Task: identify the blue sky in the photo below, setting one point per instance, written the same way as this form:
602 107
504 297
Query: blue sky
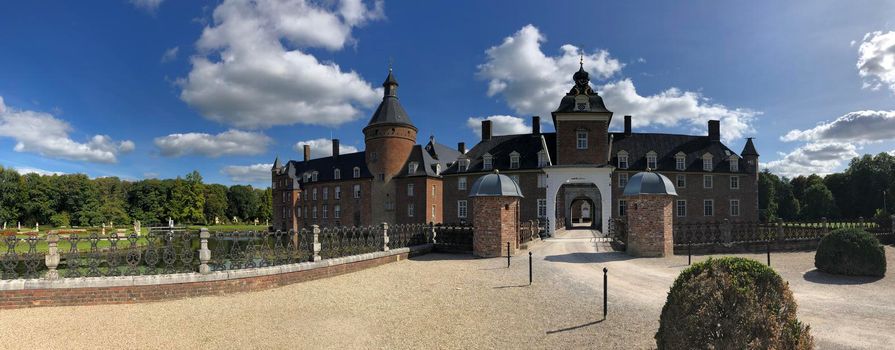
153 88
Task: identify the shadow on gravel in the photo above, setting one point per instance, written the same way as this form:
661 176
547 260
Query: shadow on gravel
821 277
443 256
575 327
516 286
583 258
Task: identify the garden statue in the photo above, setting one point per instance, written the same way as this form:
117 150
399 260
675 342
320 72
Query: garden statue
217 221
170 222
104 228
19 226
4 226
37 227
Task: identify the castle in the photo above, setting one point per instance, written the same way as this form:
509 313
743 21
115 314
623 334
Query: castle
575 175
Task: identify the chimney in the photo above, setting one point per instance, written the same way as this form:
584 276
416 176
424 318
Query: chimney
486 130
536 125
307 149
627 125
461 147
335 148
714 130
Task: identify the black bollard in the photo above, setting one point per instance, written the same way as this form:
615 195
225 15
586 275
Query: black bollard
529 269
689 251
768 249
508 254
604 292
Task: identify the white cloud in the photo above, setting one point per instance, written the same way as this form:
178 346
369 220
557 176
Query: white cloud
41 133
256 173
674 107
876 60
42 172
147 5
856 127
500 125
322 148
252 72
228 143
532 82
813 158
170 54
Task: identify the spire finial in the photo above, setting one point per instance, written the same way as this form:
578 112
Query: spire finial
391 61
581 60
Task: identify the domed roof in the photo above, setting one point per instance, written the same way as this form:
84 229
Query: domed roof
581 74
495 185
648 182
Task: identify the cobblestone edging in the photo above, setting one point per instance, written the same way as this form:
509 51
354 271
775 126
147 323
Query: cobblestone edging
133 289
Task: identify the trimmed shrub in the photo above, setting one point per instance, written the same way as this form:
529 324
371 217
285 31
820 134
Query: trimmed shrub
852 252
731 303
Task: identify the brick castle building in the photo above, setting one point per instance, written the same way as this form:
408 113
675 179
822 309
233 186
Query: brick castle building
575 175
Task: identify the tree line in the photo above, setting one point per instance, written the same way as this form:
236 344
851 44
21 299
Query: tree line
864 189
76 200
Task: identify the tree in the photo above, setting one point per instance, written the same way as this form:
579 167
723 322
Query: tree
819 202
10 196
215 202
243 203
789 208
146 201
767 196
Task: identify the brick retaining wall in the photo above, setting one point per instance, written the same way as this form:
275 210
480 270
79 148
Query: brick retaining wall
136 289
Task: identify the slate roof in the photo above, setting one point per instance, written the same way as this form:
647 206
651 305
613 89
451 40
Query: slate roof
326 166
427 157
495 185
567 105
390 109
648 182
666 146
749 149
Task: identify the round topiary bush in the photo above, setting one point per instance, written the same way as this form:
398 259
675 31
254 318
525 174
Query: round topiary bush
731 303
852 252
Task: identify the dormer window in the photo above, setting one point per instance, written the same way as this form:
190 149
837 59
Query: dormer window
622 160
514 160
651 160
734 163
356 172
437 168
314 176
707 162
487 161
543 159
337 174
411 168
582 139
680 161
463 165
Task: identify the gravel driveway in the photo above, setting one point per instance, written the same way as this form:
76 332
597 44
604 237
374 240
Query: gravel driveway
444 301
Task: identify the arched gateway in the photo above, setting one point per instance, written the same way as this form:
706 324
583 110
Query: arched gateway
582 153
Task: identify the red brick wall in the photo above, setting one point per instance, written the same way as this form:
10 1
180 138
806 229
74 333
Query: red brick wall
567 151
348 203
496 224
137 294
650 226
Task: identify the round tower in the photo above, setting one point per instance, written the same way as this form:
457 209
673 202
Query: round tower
389 138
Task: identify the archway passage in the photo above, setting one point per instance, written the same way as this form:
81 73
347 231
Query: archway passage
581 214
580 204
567 183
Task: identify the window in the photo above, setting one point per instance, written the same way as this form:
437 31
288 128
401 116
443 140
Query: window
681 180
411 168
298 212
356 191
409 190
622 160
433 192
356 172
374 156
325 211
314 212
284 197
707 181
622 207
314 176
461 183
463 164
681 208
461 209
337 192
438 168
707 162
306 211
734 182
543 159
337 211
314 194
680 161
542 180
542 208
515 178
410 210
514 160
708 207
381 177
622 180
651 160
433 212
734 207
337 174
284 212
734 164
389 205
486 162
582 139
325 193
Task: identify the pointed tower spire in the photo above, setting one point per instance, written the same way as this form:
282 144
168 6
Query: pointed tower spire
749 149
390 110
276 163
390 84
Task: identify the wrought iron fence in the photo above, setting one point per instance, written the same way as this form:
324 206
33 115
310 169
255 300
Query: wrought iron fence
157 252
405 235
726 232
618 229
343 241
250 249
20 258
453 237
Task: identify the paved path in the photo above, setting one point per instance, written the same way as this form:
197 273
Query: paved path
451 301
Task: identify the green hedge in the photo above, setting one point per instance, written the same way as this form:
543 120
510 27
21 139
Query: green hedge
851 252
731 303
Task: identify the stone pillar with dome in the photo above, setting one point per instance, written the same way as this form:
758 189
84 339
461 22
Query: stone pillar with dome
650 213
495 202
